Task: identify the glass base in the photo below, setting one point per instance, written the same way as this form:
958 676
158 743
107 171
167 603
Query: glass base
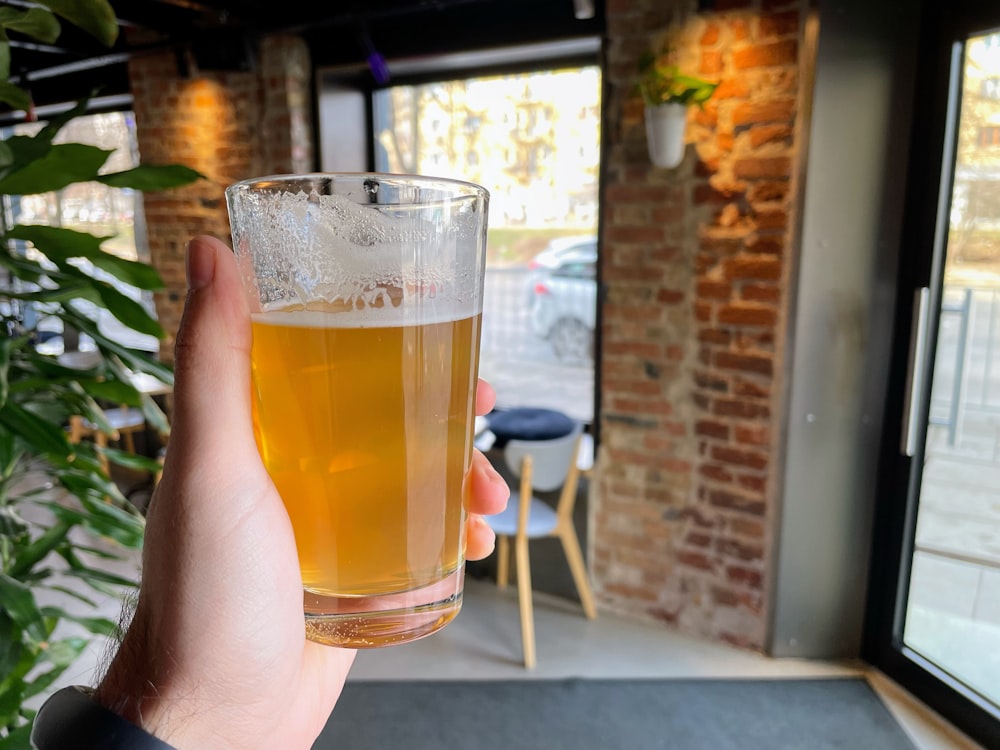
375 621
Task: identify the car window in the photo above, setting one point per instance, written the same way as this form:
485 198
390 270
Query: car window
577 270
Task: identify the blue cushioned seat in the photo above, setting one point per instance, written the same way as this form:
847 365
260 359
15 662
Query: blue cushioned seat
528 424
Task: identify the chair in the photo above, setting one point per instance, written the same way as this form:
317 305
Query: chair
544 465
125 420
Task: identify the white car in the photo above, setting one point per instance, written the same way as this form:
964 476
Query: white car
558 252
564 309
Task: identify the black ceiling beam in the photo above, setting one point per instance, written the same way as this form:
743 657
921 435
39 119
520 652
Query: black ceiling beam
397 29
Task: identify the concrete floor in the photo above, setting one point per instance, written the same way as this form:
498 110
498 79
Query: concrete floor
483 643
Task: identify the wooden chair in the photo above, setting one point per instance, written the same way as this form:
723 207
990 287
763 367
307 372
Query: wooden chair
545 465
125 420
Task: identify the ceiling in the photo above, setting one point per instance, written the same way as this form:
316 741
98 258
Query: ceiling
221 35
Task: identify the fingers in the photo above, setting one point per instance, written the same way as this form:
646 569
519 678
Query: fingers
489 490
485 398
212 358
479 539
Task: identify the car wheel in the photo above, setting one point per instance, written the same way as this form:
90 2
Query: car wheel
571 339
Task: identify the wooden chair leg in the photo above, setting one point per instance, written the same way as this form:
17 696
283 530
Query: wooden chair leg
128 441
503 561
524 600
571 546
101 440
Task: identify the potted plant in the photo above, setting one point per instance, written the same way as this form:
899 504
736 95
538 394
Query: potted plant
60 512
667 94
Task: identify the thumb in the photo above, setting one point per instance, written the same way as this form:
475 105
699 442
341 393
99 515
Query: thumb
211 414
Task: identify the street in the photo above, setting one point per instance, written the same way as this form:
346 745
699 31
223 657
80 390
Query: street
522 367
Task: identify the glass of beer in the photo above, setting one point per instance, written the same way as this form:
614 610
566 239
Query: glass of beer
366 298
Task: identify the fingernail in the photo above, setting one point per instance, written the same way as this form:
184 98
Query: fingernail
200 265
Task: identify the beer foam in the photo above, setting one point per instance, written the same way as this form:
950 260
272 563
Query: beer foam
409 263
368 318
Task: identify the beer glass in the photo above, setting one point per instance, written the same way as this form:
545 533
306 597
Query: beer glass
366 298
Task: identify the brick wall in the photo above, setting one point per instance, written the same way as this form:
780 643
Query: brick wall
696 262
227 125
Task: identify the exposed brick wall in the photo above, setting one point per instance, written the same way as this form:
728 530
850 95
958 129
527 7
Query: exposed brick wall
695 262
227 125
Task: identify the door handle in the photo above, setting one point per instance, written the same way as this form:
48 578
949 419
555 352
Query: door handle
915 371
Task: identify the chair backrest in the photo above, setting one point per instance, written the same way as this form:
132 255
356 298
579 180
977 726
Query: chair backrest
551 459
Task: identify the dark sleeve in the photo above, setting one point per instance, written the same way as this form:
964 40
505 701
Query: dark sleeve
72 720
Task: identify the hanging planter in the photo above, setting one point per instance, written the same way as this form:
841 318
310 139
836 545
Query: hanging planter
667 94
665 125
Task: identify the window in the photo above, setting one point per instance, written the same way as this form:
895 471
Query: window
533 140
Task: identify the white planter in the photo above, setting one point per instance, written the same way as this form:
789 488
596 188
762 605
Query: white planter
665 134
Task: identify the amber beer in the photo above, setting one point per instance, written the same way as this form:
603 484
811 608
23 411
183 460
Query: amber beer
364 429
365 297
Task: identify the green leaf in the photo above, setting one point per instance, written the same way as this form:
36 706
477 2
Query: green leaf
97 552
131 460
6 155
87 479
61 655
149 177
12 526
26 270
60 244
154 415
92 576
65 651
126 309
40 434
63 165
132 359
129 312
64 293
6 345
96 625
43 681
111 390
128 537
37 23
27 557
19 602
11 647
18 738
75 594
96 17
14 96
4 55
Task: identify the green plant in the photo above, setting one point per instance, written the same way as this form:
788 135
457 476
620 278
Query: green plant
54 531
661 82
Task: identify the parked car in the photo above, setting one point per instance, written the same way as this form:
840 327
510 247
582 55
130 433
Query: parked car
558 252
564 309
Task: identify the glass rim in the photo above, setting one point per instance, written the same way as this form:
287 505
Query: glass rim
463 189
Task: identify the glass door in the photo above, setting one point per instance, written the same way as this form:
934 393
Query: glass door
935 610
953 599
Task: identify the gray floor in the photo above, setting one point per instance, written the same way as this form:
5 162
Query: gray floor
484 643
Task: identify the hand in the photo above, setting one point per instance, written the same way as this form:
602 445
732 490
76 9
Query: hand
216 654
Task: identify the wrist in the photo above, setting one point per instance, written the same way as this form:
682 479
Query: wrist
70 719
138 689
